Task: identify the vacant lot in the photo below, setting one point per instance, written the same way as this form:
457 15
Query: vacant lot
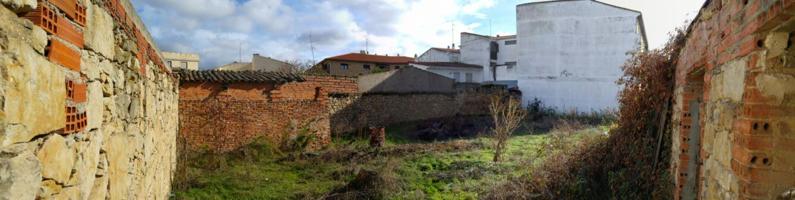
406 168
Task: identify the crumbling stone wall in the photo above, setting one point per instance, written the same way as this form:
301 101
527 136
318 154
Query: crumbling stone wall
735 102
87 109
353 112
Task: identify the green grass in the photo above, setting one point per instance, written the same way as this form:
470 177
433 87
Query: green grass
450 173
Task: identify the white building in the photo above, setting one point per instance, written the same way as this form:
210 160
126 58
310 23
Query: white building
440 55
460 72
176 60
566 53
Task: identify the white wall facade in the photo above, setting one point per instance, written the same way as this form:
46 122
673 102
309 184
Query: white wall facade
570 53
449 72
435 55
475 50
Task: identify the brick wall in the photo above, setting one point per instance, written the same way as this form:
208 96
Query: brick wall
224 117
737 66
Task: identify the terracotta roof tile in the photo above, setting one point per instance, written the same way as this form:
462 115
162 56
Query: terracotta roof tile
358 57
237 76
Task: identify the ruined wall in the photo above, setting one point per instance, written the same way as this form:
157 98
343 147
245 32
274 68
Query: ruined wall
87 110
352 112
225 117
735 103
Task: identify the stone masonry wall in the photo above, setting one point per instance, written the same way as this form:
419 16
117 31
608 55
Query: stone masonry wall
737 69
87 109
353 112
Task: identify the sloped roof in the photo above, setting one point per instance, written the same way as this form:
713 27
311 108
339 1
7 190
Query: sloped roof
358 57
448 64
237 76
447 50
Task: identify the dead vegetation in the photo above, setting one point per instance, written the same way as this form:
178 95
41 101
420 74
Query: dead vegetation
507 113
632 162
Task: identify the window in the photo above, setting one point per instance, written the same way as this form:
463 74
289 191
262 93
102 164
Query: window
469 77
184 65
510 42
457 76
366 67
169 64
325 67
397 67
344 66
383 66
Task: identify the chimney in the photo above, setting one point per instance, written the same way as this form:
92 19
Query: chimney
362 52
448 47
453 45
398 54
256 54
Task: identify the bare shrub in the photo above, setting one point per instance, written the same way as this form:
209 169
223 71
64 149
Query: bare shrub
621 166
507 114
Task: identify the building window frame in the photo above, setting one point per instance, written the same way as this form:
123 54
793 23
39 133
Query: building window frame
344 66
510 42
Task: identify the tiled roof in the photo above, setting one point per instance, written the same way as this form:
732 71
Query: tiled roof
358 57
237 76
448 64
447 50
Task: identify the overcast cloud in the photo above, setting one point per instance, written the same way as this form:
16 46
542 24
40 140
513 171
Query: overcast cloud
219 30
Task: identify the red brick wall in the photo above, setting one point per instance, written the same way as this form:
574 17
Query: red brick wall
736 60
224 117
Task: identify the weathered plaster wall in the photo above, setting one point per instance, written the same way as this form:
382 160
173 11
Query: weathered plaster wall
737 68
353 112
87 110
570 53
475 50
405 80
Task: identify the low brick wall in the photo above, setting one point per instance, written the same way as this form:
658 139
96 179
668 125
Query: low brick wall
225 125
226 116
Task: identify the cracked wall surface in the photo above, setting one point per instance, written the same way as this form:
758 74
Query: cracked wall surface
87 110
737 64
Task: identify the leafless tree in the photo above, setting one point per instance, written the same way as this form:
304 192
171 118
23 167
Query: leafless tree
507 114
297 66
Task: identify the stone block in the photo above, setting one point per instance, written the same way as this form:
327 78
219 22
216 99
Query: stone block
19 6
56 159
20 174
38 90
99 32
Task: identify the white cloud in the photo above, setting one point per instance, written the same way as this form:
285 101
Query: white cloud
217 29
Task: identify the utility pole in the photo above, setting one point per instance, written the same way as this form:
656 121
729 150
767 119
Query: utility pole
366 43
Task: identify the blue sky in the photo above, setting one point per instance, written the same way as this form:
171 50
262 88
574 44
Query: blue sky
219 30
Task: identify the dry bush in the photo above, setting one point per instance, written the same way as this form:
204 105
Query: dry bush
507 114
623 165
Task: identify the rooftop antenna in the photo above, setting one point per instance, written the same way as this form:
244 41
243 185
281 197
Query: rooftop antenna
452 34
490 27
240 51
366 43
312 47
